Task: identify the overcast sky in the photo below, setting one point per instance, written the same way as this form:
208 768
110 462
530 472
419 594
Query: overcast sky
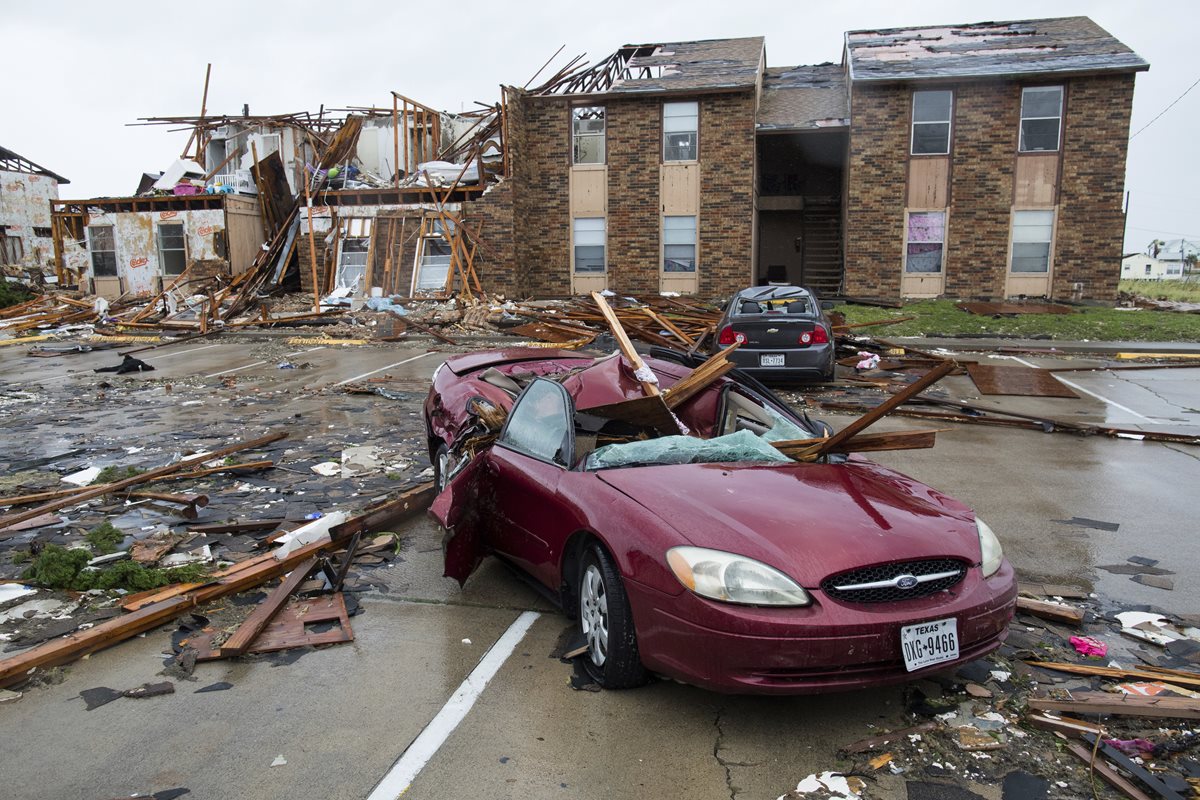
78 72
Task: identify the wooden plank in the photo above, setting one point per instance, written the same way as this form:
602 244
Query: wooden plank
145 477
1017 381
1112 672
254 624
700 378
623 343
1127 705
1067 726
808 449
887 406
1110 775
1058 612
287 630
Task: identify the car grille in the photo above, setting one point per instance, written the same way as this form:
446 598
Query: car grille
949 571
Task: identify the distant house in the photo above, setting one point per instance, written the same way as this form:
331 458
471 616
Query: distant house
26 189
1141 267
1177 253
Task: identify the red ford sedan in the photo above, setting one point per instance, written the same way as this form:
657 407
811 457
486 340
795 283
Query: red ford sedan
686 545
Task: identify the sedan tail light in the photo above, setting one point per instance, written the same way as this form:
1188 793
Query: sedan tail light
728 336
817 335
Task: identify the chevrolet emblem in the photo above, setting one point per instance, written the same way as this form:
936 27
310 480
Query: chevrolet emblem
772 330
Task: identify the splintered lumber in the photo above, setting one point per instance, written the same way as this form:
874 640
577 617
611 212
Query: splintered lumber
870 743
1071 728
177 600
1134 768
435 334
887 406
626 346
700 378
811 449
1105 771
146 477
1192 679
249 630
1127 705
1058 612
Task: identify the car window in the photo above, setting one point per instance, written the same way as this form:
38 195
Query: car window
540 423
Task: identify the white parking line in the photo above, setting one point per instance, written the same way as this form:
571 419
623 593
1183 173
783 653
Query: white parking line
1099 397
417 754
257 363
381 369
185 352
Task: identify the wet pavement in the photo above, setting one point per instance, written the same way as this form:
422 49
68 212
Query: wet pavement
341 716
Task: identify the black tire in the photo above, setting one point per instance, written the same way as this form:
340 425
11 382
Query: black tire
441 460
606 623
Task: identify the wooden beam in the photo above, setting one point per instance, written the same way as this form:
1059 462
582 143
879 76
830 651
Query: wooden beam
700 378
249 630
810 449
1112 672
1058 612
887 406
626 346
146 477
1102 768
1128 705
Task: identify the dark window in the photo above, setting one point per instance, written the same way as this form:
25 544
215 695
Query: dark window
540 423
931 122
172 252
104 251
44 233
1041 118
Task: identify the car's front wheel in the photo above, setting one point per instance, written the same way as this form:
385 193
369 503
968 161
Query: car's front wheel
606 623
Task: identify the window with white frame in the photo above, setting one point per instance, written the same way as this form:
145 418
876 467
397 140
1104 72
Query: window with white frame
926 242
680 131
589 236
679 244
1032 234
1041 118
103 250
931 122
172 248
587 135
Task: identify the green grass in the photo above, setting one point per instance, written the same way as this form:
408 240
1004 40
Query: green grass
942 318
1180 291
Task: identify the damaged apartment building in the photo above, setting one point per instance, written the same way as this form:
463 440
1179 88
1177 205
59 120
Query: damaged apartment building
972 161
26 238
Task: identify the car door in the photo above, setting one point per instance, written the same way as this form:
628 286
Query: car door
523 470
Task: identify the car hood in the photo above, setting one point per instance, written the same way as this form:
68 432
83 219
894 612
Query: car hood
808 520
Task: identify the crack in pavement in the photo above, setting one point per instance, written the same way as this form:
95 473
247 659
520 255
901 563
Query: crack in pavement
727 765
1132 382
1181 452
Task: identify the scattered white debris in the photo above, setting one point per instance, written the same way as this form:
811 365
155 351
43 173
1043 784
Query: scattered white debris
466 641
1000 676
832 785
279 761
7 696
1134 619
83 477
200 555
328 468
12 591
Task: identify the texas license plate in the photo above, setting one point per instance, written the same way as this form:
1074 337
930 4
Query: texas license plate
771 360
929 643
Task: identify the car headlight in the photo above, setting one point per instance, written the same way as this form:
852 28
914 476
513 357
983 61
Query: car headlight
734 579
989 547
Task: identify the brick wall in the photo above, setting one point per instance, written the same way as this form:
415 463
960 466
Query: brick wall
727 143
1090 222
984 150
876 191
634 131
495 257
539 158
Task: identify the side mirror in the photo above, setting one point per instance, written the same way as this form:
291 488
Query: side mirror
827 305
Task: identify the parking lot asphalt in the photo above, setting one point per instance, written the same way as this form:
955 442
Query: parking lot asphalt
342 717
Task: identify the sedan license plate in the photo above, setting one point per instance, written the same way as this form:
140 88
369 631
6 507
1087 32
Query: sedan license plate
770 360
929 643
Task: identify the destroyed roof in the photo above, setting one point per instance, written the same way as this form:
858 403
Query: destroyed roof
15 163
799 98
986 49
686 66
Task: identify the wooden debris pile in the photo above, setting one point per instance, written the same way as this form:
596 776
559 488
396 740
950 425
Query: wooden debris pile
661 321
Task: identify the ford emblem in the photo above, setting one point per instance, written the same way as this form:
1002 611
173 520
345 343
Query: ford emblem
906 582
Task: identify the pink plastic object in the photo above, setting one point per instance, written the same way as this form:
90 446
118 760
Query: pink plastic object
186 188
1088 646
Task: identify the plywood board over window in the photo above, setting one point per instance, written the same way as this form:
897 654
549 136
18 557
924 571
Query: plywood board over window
1036 180
928 179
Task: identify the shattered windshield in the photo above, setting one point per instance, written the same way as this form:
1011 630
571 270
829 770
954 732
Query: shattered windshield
742 446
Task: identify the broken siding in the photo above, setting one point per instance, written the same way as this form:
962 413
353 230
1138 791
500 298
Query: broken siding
136 242
25 207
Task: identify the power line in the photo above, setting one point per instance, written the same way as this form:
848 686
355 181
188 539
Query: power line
1165 110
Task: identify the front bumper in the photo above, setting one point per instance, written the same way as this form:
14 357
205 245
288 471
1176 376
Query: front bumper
828 646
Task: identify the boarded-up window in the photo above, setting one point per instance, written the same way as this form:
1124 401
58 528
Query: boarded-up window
103 249
1032 232
680 126
931 122
679 244
589 244
926 241
1041 118
587 135
11 248
172 248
